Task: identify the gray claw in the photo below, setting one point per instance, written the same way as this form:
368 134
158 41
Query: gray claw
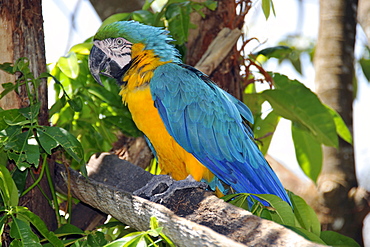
162 187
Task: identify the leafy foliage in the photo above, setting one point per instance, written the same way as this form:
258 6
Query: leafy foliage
26 142
300 218
23 139
313 123
143 238
93 113
267 5
365 63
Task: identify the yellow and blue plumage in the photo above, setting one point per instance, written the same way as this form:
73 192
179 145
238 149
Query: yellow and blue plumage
193 126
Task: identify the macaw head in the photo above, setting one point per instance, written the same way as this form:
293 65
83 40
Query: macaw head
111 54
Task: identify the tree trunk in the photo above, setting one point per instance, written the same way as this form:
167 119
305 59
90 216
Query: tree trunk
227 74
334 77
22 35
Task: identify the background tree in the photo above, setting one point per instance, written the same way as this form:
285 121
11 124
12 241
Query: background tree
21 29
334 66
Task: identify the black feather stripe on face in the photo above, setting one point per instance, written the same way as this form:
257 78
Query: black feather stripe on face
118 50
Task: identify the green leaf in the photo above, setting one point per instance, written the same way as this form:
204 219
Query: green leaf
23 65
68 229
32 154
12 117
125 124
67 141
46 141
16 243
211 4
31 112
7 67
9 191
143 16
306 234
58 105
23 151
3 221
307 150
305 215
338 240
114 18
147 4
153 222
82 48
69 65
20 160
293 101
112 98
123 241
283 210
341 127
22 231
266 8
239 200
96 239
365 66
76 104
8 87
19 178
267 5
264 129
35 220
296 62
254 101
178 16
279 52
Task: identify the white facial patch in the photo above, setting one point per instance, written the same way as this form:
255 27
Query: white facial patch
118 50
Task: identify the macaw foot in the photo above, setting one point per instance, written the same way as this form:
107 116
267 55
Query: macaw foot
161 187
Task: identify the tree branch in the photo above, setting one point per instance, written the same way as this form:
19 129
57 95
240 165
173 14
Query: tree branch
191 217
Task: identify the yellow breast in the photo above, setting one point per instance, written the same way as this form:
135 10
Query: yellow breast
172 158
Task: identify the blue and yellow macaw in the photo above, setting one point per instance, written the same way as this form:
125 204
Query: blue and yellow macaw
193 126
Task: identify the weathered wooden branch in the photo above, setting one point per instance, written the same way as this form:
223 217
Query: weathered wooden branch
190 217
218 50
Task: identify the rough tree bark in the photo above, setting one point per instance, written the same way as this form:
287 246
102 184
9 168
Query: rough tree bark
341 210
227 74
22 35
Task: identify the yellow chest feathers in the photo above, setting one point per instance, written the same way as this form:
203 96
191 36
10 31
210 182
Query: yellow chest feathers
144 62
172 158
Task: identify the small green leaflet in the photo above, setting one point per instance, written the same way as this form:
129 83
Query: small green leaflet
266 6
9 191
308 151
294 101
56 135
341 127
69 65
20 230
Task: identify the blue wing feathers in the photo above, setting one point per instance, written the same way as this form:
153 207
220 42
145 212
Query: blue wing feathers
208 122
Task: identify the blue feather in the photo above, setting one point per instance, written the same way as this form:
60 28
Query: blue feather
208 122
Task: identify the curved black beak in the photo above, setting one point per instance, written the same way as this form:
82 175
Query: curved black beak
98 62
101 64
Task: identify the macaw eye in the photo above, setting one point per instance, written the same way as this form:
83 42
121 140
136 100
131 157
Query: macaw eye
119 41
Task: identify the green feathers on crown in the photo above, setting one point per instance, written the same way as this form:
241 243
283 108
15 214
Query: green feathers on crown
154 38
